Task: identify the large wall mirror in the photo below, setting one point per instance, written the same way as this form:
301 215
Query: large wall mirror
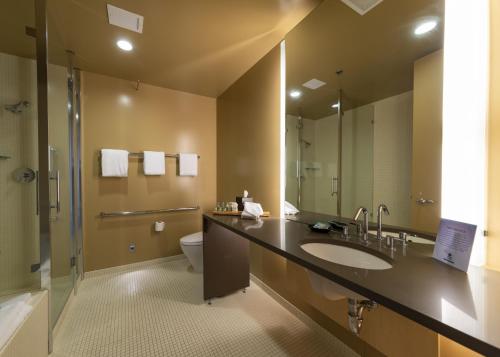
364 110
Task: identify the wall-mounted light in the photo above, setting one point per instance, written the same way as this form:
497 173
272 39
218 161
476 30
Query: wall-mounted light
295 94
466 80
335 106
425 27
125 45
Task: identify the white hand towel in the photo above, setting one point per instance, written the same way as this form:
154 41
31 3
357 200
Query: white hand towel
114 163
188 164
252 210
154 163
290 209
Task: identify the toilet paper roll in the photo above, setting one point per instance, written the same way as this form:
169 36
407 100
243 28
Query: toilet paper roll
159 226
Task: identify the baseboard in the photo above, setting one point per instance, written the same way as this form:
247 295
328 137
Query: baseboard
292 308
121 268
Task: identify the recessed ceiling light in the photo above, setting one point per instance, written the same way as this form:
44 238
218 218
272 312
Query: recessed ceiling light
425 27
295 93
125 45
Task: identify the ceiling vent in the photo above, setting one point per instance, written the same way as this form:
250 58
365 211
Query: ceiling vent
125 19
362 6
314 84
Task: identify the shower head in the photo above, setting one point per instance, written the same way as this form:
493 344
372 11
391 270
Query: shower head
18 107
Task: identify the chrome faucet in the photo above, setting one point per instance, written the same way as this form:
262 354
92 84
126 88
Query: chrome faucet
362 229
381 208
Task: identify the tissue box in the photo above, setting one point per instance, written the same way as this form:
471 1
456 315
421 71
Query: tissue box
241 202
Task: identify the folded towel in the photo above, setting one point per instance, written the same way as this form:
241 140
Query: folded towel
114 163
154 163
188 164
252 210
290 209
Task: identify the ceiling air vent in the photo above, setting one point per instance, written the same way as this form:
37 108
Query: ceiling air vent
314 84
125 19
362 6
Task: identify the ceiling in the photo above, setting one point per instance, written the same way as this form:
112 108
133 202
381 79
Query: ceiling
376 53
197 46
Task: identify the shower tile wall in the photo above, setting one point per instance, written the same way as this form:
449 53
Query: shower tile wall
393 157
19 245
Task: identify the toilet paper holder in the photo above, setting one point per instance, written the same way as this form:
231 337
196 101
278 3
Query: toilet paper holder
159 226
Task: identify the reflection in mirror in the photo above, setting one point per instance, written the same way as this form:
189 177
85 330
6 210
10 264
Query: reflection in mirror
364 103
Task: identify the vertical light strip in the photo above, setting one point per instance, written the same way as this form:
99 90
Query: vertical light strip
465 103
282 126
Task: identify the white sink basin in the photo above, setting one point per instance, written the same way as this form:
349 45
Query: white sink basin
346 256
340 255
412 239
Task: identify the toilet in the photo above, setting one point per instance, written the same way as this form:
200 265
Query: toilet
192 247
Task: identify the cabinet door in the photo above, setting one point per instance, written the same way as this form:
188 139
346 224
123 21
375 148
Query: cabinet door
226 265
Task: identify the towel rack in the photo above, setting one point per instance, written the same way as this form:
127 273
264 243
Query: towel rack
140 213
141 155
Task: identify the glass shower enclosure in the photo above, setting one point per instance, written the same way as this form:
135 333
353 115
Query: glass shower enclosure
40 210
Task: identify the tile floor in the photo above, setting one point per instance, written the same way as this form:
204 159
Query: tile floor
158 311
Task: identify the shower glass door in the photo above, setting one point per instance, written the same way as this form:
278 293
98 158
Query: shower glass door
61 167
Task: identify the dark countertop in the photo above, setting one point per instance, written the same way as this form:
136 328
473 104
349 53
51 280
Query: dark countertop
460 306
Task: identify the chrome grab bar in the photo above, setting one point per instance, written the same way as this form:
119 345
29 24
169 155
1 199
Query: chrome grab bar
139 213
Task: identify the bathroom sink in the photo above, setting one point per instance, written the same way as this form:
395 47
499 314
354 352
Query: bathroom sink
411 238
347 256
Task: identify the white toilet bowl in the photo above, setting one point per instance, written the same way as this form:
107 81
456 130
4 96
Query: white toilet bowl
192 247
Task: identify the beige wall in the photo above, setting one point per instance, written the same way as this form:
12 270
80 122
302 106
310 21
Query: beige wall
248 155
115 115
493 248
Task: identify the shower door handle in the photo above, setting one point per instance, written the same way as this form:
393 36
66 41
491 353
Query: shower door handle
57 178
335 182
37 193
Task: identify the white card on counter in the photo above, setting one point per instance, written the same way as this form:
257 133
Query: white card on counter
454 243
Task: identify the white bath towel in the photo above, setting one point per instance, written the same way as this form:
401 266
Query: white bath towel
154 163
252 210
290 209
114 163
188 164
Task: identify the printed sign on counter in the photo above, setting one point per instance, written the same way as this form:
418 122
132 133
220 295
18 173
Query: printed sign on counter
454 243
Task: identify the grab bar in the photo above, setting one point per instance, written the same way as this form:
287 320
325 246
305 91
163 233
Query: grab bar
139 213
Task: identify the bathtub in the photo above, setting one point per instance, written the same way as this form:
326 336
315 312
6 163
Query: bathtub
13 312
